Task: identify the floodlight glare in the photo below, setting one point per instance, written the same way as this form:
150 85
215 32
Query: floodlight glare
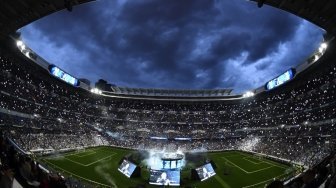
96 91
19 43
324 46
321 50
248 94
27 54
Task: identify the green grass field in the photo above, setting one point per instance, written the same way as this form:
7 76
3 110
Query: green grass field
234 169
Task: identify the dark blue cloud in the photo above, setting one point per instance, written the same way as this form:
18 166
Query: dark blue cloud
197 44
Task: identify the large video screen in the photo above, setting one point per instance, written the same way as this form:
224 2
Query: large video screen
127 168
205 172
285 77
164 177
55 71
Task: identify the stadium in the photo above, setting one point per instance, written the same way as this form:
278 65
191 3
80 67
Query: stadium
57 130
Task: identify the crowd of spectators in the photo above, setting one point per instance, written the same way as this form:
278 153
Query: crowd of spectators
322 175
39 112
19 170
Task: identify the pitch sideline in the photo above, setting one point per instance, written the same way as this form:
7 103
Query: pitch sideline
248 172
264 181
76 174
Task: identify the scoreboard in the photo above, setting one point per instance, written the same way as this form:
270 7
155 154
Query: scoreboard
283 78
60 74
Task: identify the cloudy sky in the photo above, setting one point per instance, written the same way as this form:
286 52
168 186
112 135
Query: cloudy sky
189 44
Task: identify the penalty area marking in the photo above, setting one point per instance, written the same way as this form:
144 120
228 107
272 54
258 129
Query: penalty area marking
235 165
233 155
105 185
92 152
248 172
266 160
78 152
275 165
74 161
101 159
262 169
247 158
89 163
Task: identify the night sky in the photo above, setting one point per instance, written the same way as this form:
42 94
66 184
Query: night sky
181 44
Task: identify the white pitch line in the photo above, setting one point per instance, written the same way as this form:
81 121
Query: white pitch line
70 154
233 155
235 165
77 175
261 169
74 161
77 152
86 154
89 163
265 161
246 158
264 181
248 172
100 160
274 164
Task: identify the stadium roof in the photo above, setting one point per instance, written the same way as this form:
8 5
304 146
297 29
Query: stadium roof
321 13
172 92
15 14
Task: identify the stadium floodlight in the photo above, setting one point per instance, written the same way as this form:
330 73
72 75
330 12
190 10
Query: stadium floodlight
96 91
248 94
19 43
27 54
323 47
320 50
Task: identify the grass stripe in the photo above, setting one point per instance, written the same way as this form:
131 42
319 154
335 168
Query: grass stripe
264 182
100 159
221 181
235 165
80 177
89 163
101 164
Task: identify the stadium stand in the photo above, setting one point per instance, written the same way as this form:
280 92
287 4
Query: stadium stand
40 114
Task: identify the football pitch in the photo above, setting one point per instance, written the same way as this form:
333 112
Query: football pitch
235 169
